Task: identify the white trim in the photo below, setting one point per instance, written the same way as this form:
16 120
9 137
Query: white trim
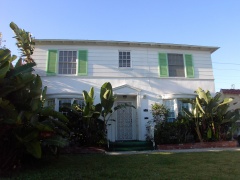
71 68
64 95
210 49
126 86
177 96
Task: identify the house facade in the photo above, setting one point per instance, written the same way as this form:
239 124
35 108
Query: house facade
140 73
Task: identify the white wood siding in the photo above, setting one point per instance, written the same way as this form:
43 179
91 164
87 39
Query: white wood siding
103 61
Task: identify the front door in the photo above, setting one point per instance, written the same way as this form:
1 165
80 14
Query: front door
124 122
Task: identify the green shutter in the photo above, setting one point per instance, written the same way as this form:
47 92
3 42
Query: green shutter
52 63
189 65
163 65
82 62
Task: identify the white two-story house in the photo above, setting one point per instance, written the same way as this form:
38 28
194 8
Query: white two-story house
140 73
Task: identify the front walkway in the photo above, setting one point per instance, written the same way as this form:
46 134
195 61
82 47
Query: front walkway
175 151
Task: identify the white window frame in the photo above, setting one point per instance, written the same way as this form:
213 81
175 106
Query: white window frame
67 63
57 97
170 105
124 59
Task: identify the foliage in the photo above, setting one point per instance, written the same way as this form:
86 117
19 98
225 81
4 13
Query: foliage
86 131
159 113
179 131
88 125
25 42
211 115
24 122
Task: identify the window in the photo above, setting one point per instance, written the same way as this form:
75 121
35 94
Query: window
51 103
67 62
79 102
170 106
124 59
63 103
175 65
185 105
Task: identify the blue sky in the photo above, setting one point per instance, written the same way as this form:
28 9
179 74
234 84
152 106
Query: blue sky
204 22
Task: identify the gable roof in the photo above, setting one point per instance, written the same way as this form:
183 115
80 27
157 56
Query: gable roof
126 86
124 43
230 91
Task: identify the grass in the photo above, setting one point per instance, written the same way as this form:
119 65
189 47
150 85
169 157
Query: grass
204 165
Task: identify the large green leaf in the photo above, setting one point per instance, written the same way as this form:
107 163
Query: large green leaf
26 68
48 111
4 68
199 105
5 55
91 93
59 124
34 148
36 87
203 95
57 141
8 111
39 125
124 105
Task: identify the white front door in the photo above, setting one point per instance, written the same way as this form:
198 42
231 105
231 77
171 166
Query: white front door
124 122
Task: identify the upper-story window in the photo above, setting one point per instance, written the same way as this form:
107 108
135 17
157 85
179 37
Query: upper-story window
175 65
124 59
67 62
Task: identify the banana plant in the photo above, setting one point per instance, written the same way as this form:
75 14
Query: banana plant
210 107
22 115
209 113
195 115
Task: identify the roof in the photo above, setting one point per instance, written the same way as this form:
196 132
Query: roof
230 91
124 43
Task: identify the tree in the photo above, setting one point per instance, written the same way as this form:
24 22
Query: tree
24 121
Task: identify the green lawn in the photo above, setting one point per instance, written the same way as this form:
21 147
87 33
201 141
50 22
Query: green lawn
204 165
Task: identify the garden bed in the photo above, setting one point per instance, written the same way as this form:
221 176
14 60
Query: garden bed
83 150
217 144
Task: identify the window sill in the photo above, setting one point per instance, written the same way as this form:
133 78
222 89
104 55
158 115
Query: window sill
125 68
66 74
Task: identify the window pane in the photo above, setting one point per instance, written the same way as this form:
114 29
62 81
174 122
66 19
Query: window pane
73 71
74 53
124 59
69 53
60 59
51 102
176 65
